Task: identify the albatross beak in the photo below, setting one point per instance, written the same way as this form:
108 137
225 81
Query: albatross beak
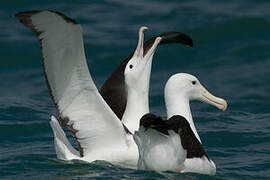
151 51
213 100
139 50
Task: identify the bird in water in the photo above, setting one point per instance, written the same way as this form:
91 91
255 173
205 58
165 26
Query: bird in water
174 144
97 129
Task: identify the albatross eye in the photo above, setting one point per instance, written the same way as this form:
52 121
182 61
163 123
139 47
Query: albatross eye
193 82
131 66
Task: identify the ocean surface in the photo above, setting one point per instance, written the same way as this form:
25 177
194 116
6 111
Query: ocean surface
231 58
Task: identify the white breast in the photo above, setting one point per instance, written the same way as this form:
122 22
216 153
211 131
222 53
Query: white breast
156 150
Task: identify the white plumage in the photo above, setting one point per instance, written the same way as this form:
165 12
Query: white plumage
156 150
98 131
180 150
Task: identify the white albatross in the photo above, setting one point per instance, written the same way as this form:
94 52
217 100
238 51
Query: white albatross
98 131
174 144
114 89
79 105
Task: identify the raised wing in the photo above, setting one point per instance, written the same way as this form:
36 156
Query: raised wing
115 84
78 102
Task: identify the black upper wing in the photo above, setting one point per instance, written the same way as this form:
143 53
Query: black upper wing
113 90
179 125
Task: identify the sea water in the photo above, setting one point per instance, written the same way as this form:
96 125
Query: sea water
231 58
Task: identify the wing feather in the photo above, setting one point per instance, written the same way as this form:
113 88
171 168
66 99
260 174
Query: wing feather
115 84
78 102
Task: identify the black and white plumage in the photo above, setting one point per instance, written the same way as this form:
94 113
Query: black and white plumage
114 91
179 125
155 134
176 128
160 147
97 129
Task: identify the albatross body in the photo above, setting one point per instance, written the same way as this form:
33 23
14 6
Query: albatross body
98 131
179 90
114 90
159 146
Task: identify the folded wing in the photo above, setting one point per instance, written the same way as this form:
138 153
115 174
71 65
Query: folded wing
159 146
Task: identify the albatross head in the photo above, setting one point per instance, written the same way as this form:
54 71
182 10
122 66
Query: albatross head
189 86
138 69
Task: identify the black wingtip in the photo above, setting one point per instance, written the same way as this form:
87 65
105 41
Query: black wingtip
185 39
25 18
27 14
176 37
22 16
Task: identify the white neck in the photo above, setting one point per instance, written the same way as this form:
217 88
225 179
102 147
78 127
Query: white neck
138 99
177 104
137 106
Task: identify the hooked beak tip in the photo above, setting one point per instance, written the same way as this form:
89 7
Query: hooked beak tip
225 105
139 50
158 39
143 28
215 101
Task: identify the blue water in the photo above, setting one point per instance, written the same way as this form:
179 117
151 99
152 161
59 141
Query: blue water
231 57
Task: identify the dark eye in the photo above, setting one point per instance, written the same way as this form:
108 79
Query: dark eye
131 66
193 82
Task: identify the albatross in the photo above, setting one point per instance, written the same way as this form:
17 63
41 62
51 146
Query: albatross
114 91
99 132
174 144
